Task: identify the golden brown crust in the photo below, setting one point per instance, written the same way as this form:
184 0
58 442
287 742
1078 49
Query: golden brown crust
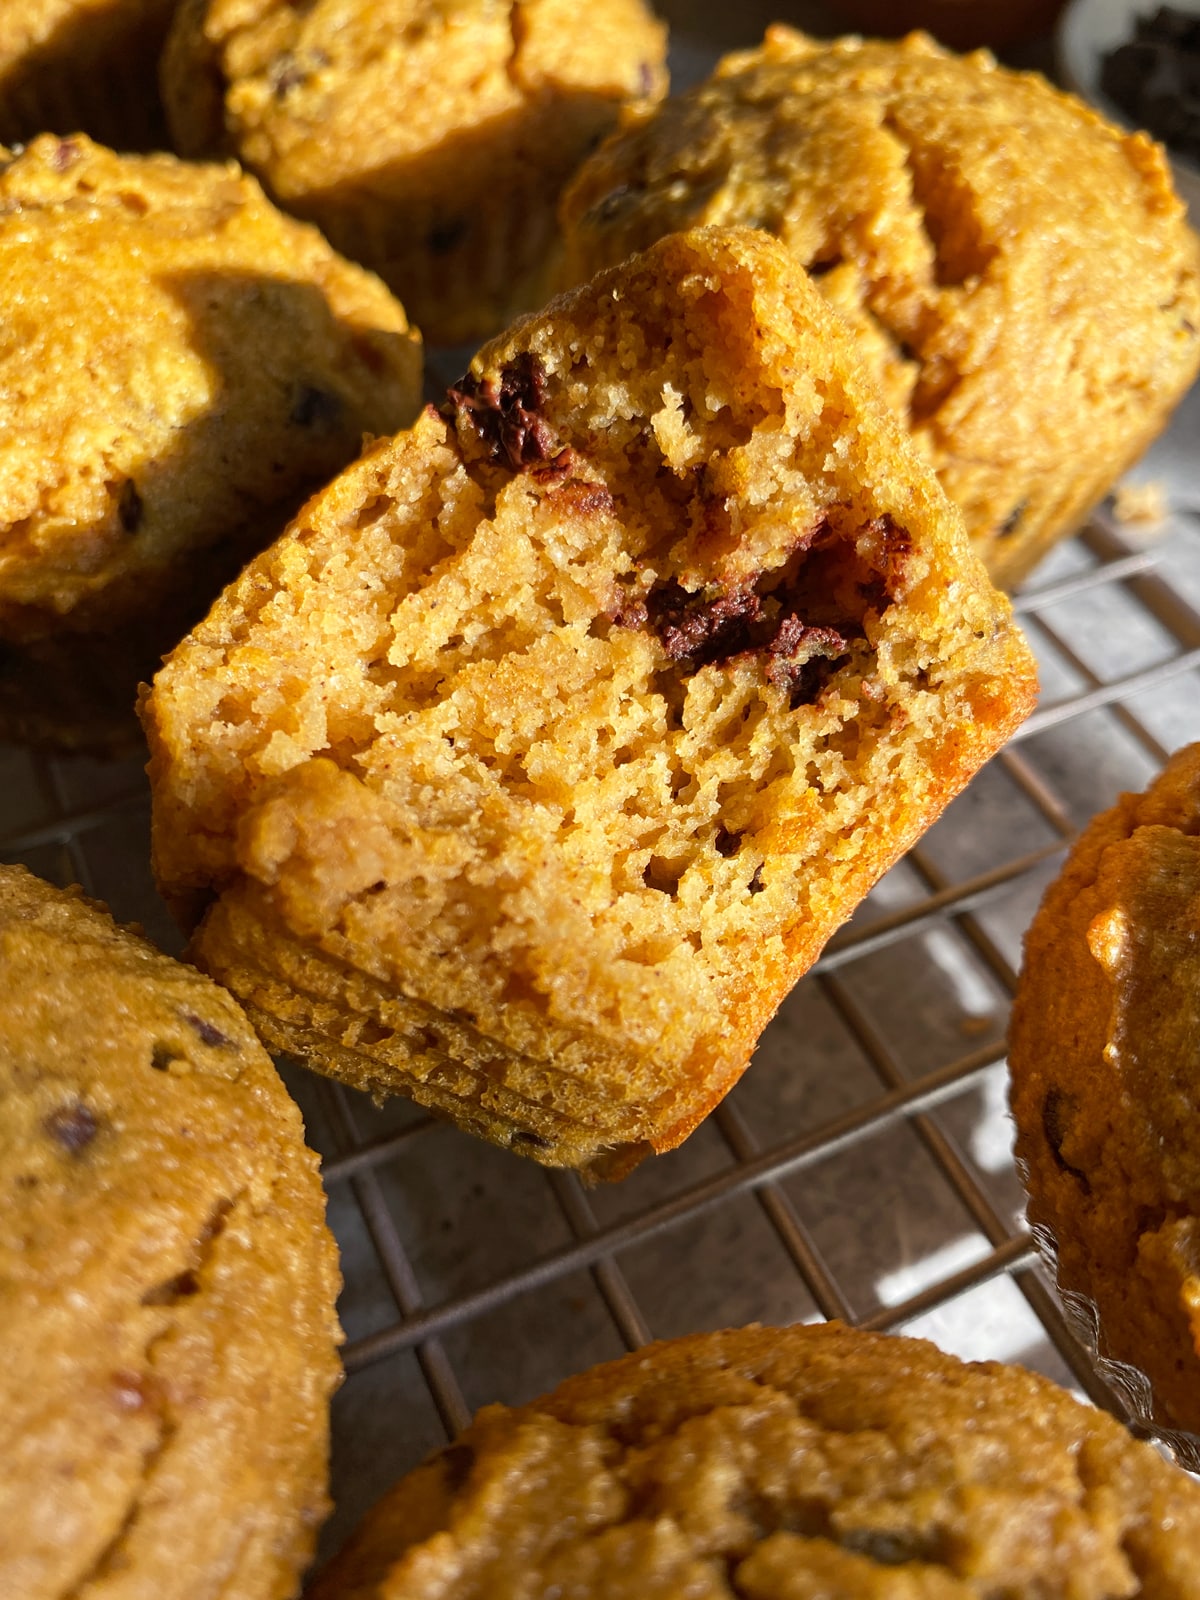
1018 272
543 754
166 1277
428 139
1103 1046
185 364
804 1463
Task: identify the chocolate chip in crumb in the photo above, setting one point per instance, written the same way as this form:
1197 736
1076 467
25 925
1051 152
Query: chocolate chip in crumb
457 1461
727 844
181 1287
206 1032
73 1127
129 506
756 884
446 236
315 408
1012 521
1057 1111
162 1055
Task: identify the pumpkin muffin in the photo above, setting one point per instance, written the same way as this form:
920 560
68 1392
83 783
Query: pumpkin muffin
83 66
1104 1043
1017 271
531 767
167 1281
180 364
429 139
803 1463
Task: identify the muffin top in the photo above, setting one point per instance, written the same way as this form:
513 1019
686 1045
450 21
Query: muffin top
785 1464
167 1280
179 365
976 226
312 96
1103 1046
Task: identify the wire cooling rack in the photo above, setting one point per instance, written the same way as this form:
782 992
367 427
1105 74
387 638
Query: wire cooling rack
862 1168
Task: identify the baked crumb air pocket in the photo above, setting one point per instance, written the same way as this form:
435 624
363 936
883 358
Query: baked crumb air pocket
532 766
801 1463
1018 272
1103 1046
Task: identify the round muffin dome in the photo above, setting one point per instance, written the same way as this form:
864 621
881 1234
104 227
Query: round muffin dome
1102 1052
428 139
167 1280
1018 272
780 1463
180 364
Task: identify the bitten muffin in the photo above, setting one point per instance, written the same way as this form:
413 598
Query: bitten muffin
1017 271
543 753
167 1282
180 365
1104 1044
83 66
429 139
803 1463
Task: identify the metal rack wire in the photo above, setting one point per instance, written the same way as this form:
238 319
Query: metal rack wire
861 1169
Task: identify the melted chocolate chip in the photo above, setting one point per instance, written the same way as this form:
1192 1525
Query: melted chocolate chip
205 1031
700 630
73 1127
507 415
129 506
315 408
1057 1108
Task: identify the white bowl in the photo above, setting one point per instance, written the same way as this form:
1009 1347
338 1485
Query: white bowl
1087 31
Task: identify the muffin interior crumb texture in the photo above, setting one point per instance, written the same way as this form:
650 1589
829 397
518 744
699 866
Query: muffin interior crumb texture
785 1464
582 715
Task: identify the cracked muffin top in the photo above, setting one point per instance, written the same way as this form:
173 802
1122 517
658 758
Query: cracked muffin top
179 365
429 139
1104 1041
1017 271
803 1463
167 1282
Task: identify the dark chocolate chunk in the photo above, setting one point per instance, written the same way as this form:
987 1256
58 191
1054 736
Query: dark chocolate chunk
73 1127
507 415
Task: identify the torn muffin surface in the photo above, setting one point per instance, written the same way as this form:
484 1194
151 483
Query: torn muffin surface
532 766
